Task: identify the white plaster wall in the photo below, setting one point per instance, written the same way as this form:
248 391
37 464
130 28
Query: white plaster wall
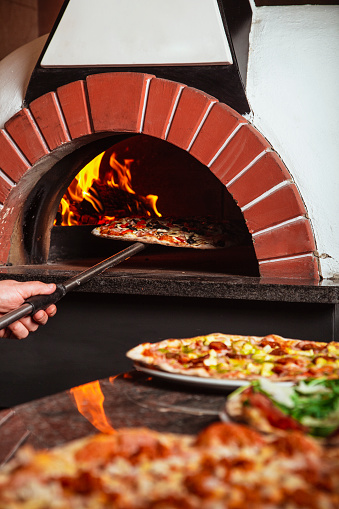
15 72
292 88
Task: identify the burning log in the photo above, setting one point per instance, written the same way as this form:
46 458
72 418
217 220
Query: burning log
101 191
119 203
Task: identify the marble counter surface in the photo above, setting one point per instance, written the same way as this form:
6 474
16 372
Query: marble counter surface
131 399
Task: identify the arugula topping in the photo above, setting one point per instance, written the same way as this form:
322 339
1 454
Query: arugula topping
314 403
318 403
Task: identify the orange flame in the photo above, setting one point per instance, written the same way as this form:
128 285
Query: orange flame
89 400
81 189
123 174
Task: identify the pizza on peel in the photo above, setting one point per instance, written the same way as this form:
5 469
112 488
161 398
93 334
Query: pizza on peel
198 233
237 357
226 466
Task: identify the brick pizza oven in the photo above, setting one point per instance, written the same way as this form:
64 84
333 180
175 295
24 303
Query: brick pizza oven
59 122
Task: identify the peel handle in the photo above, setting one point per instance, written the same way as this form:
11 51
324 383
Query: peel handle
32 305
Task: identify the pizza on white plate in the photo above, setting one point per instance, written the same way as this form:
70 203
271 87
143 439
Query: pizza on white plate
238 357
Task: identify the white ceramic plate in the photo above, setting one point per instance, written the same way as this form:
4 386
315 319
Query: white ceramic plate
214 383
195 380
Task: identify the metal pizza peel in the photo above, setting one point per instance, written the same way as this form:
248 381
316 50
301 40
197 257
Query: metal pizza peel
34 304
37 302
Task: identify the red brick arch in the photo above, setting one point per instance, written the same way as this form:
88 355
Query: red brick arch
210 131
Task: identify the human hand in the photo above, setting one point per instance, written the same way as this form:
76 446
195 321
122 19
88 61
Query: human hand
12 295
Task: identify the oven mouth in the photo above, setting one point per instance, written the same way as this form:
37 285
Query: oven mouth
74 245
194 189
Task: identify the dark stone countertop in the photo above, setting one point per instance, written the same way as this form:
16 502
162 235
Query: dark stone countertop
132 399
175 283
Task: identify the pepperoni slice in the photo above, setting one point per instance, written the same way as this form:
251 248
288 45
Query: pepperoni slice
273 344
218 345
278 351
323 370
229 434
306 345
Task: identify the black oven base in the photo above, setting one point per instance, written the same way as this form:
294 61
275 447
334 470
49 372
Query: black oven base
88 338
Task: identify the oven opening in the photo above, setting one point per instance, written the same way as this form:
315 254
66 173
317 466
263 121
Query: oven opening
124 176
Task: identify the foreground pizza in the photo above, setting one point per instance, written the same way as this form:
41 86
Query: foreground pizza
194 233
237 357
227 466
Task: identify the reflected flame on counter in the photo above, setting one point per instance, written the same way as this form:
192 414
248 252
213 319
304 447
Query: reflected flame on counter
89 400
83 194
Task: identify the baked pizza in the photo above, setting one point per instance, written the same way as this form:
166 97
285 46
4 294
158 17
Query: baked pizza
198 233
310 406
225 356
226 466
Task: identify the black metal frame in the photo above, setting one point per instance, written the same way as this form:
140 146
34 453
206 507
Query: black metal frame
221 81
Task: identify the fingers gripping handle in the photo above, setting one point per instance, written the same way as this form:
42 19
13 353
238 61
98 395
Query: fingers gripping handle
43 301
32 305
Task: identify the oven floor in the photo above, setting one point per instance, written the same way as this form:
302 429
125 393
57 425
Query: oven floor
88 338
